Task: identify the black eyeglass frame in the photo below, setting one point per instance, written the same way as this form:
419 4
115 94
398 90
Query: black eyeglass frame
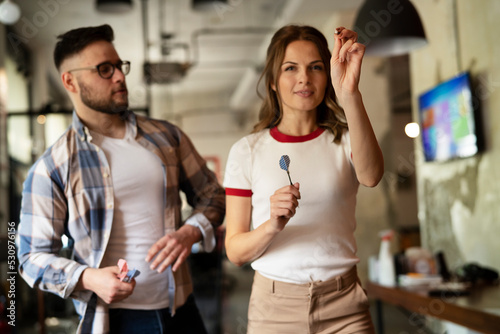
98 67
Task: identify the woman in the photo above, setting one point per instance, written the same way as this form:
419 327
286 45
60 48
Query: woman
304 255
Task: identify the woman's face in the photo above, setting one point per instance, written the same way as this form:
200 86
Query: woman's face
302 78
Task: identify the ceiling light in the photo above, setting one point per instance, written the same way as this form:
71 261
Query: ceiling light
9 12
412 130
114 6
389 27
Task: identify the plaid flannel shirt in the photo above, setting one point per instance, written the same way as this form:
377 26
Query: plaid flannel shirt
69 191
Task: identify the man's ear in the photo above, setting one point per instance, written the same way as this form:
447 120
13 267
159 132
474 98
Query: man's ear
69 82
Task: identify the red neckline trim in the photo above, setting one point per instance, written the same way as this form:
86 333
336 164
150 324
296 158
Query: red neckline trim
294 139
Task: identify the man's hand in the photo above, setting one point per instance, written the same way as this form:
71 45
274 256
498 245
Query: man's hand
105 283
173 248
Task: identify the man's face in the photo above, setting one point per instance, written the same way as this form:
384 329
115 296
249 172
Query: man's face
108 96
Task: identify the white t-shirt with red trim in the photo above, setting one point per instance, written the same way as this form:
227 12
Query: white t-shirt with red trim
318 242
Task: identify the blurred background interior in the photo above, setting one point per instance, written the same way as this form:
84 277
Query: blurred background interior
197 63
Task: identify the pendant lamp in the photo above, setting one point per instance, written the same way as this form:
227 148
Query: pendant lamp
114 6
389 27
207 5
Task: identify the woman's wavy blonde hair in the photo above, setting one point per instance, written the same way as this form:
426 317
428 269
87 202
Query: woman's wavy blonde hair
329 114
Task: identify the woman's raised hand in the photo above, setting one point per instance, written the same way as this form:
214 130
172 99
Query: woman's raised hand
347 55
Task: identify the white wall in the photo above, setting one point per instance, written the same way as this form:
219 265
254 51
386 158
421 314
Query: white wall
458 201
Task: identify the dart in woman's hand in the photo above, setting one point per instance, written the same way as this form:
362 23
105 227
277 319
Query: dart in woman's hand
284 164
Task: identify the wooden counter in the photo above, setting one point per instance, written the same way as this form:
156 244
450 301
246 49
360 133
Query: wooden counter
479 310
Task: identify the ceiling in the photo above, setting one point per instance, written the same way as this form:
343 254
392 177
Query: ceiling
218 49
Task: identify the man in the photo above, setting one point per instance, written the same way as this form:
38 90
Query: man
111 185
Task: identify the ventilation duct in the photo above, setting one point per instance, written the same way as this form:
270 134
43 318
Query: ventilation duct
245 93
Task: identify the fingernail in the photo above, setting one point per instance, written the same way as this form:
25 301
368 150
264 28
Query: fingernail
336 32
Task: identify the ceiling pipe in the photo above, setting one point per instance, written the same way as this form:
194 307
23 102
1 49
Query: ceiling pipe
145 49
222 31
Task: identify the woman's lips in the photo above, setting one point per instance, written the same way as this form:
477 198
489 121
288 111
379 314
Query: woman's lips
304 93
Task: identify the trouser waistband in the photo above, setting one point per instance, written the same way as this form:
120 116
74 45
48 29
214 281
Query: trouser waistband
336 283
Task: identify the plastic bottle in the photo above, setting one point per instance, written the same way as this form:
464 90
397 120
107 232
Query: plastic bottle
386 268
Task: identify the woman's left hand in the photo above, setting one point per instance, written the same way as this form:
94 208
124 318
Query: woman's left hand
347 56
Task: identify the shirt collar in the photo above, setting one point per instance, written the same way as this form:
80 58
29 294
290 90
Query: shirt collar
84 133
283 138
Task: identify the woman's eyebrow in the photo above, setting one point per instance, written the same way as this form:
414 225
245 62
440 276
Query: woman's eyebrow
294 63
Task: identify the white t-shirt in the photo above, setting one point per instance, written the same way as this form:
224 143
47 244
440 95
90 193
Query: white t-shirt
318 242
139 190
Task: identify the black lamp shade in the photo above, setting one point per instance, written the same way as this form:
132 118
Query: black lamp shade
207 5
389 27
114 6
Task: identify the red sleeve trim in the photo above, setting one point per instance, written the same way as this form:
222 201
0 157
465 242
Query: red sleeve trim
239 192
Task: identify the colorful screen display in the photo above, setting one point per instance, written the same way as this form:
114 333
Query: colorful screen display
447 120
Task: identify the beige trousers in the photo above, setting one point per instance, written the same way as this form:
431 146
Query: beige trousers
339 305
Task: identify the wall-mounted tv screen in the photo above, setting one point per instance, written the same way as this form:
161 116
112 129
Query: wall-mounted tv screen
447 120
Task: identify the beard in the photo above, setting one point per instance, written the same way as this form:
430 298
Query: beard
106 106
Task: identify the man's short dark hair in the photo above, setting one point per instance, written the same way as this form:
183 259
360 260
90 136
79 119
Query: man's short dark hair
76 40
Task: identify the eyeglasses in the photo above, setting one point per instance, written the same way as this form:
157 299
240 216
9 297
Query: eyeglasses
106 70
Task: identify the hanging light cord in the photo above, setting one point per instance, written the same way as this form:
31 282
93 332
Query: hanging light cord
457 36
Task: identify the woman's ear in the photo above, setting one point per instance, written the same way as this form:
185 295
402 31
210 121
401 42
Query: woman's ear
273 85
69 82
